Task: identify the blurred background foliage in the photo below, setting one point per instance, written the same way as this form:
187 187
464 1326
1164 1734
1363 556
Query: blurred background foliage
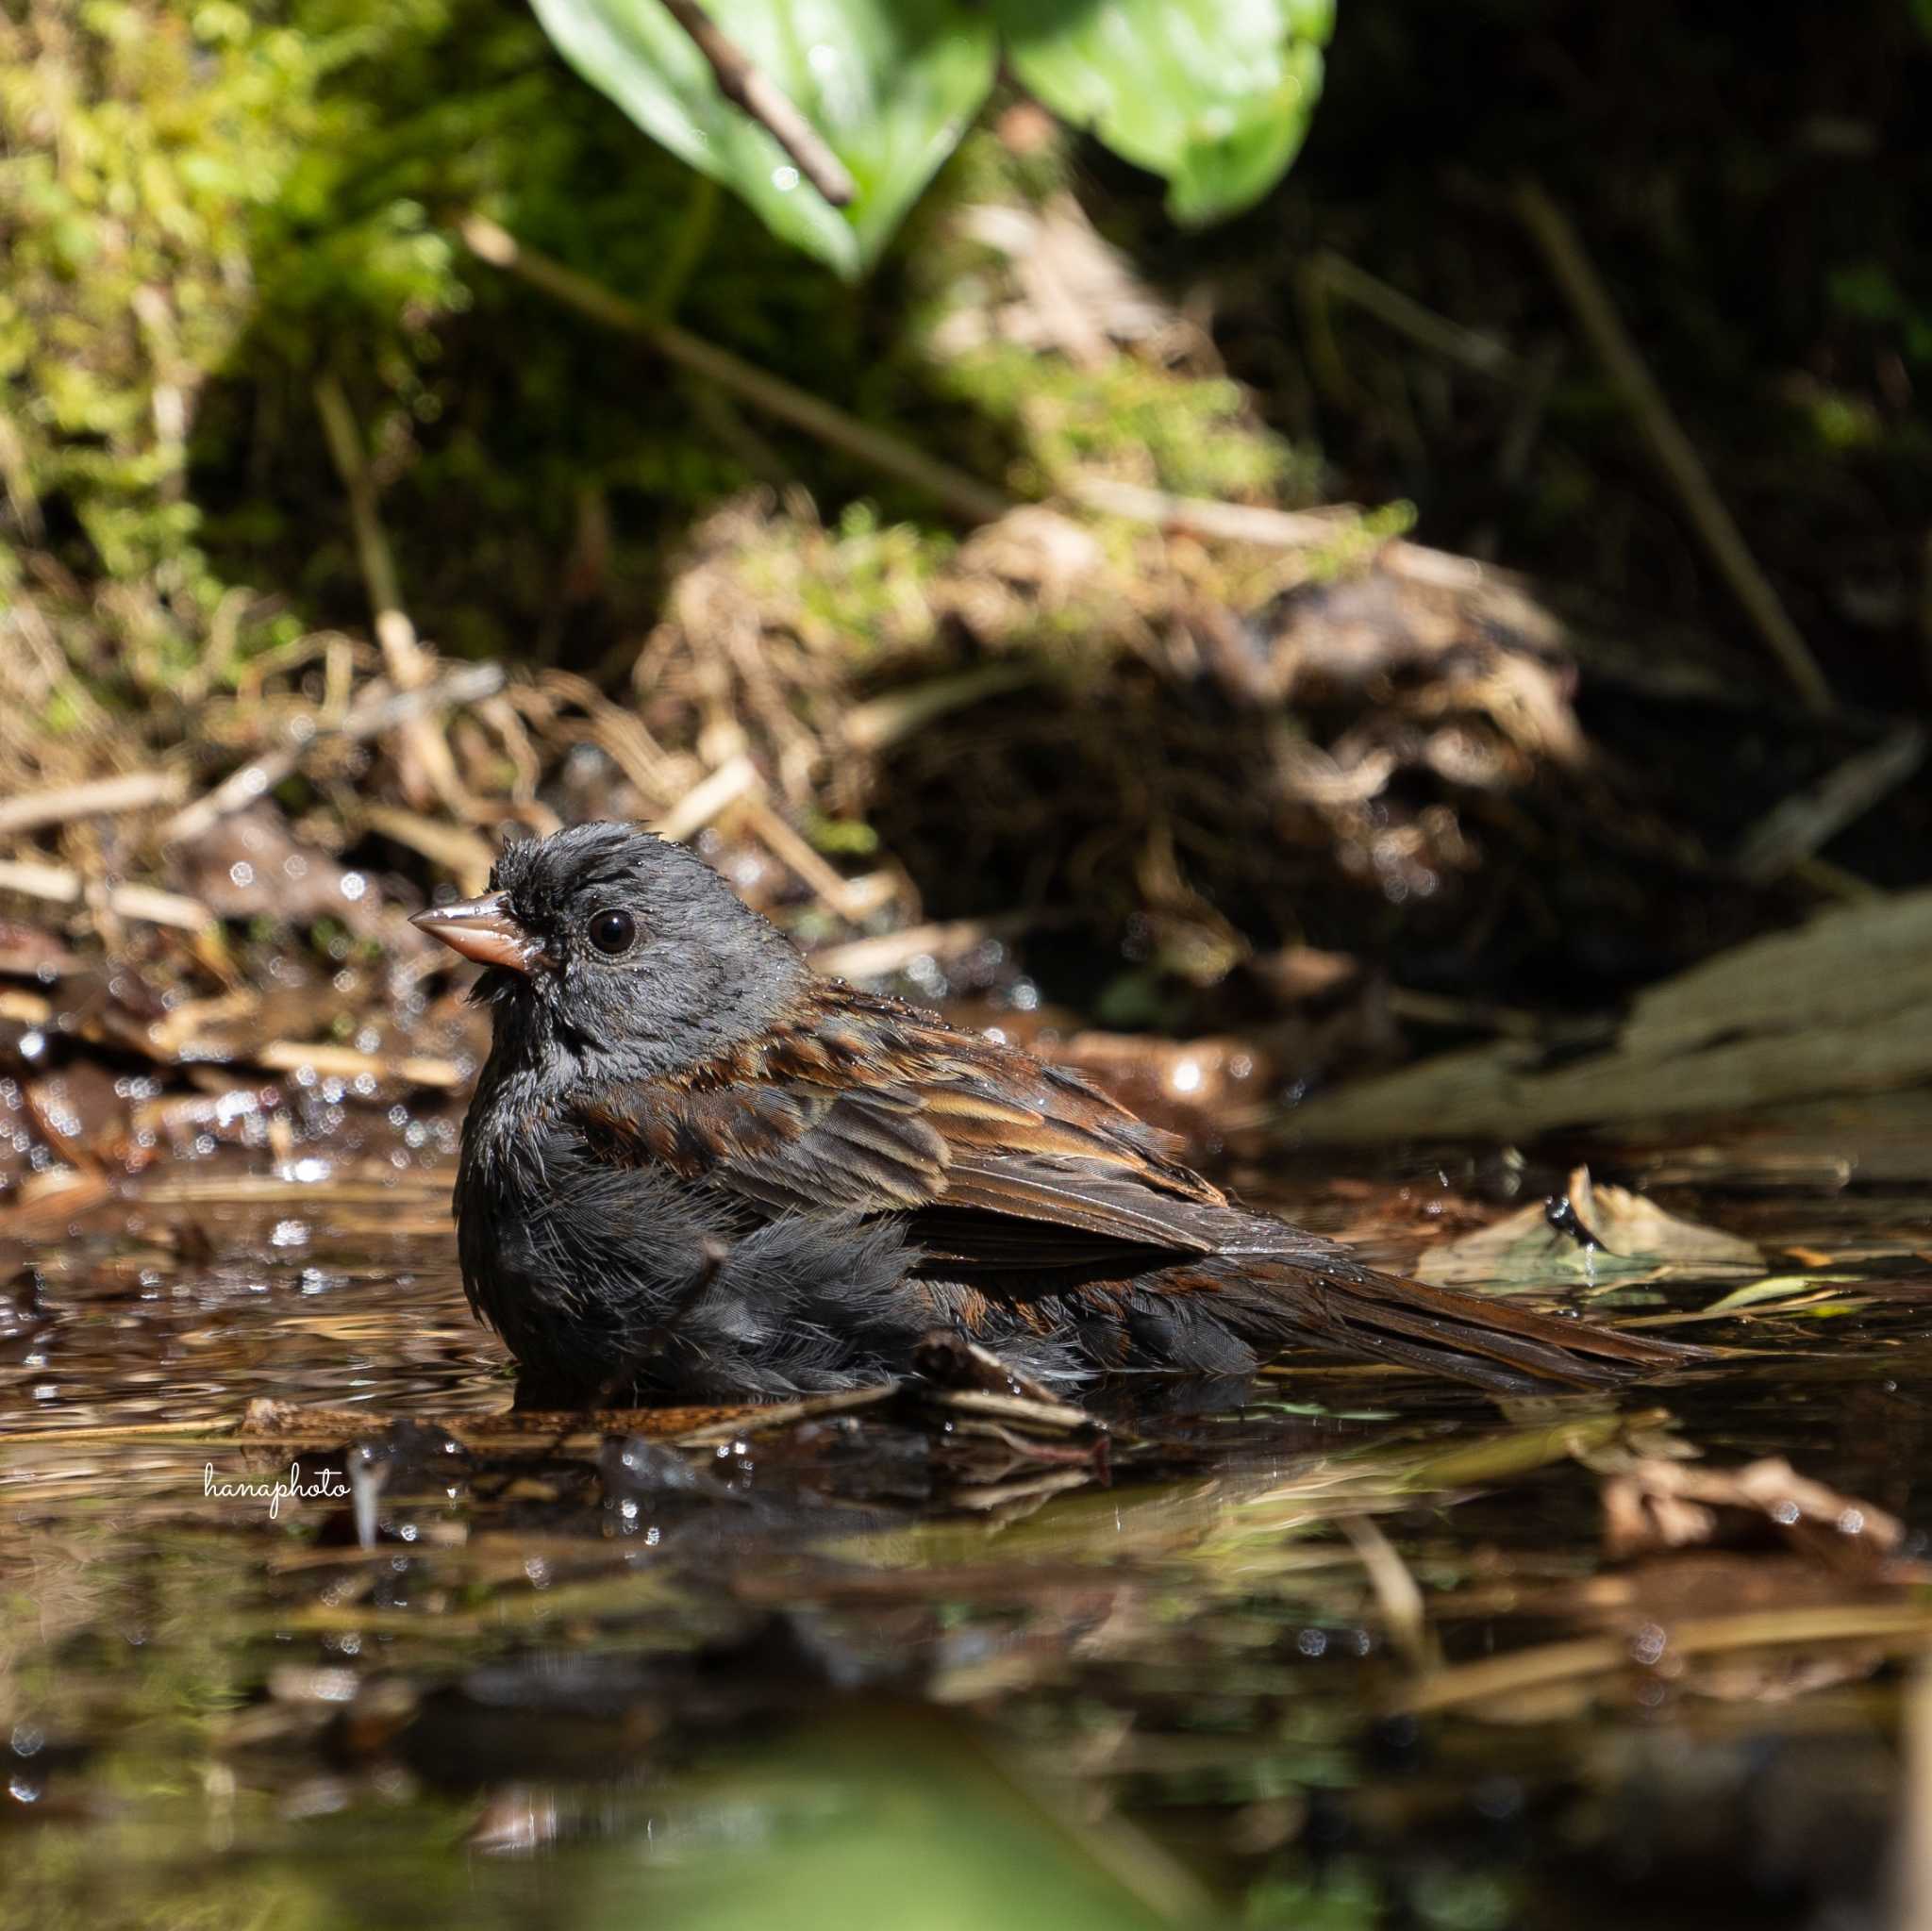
204 208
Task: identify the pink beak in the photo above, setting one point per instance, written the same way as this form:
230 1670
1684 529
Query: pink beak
484 930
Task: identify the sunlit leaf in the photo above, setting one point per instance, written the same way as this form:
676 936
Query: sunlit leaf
1776 1289
890 84
1213 94
1629 1239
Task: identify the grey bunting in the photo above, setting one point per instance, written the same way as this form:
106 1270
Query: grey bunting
693 1170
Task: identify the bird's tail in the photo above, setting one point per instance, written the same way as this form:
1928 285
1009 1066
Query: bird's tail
1330 1301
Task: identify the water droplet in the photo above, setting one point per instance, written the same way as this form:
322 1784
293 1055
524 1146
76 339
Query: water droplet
784 179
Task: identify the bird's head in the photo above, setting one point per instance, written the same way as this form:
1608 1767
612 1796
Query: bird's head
607 945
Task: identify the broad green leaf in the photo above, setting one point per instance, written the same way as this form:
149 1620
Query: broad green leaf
1213 94
890 84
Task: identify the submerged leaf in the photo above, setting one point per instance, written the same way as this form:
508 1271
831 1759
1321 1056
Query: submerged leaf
1589 1234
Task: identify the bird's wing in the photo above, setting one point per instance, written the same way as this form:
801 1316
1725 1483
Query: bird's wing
862 1105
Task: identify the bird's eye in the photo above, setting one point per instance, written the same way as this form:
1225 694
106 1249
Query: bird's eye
613 932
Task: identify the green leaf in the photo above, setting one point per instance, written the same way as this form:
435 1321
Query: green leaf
1213 94
1784 1289
890 84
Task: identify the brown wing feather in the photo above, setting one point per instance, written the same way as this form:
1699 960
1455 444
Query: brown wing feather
865 1105
1019 1180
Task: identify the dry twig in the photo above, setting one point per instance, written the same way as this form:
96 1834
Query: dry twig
870 958
377 709
766 102
1590 301
1798 826
346 1062
964 495
428 762
731 781
133 791
60 885
1233 522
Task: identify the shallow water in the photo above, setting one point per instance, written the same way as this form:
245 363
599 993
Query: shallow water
1341 1648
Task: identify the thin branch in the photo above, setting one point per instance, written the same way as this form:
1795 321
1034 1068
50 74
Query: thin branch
60 885
734 779
1683 470
1231 523
766 102
409 664
377 710
101 797
872 958
1799 826
965 496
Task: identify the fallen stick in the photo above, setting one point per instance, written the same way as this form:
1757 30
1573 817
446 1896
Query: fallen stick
346 1062
1797 827
376 711
766 102
99 797
60 884
731 781
870 958
968 498
409 665
1682 468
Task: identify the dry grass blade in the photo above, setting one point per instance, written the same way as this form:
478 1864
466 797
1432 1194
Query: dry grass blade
1796 829
1400 1599
428 766
1901 1627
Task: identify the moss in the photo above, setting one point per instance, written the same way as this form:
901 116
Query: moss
1193 435
154 154
238 198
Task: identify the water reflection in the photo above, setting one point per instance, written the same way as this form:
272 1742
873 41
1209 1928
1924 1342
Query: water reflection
893 1667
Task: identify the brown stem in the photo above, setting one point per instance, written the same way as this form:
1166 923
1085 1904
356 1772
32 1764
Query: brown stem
765 101
1683 470
969 499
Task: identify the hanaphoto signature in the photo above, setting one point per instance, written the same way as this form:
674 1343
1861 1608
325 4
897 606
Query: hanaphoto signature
323 1484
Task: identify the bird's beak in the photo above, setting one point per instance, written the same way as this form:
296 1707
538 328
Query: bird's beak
484 930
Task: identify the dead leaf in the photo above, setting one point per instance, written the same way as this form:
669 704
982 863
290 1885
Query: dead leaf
1662 1505
1589 1234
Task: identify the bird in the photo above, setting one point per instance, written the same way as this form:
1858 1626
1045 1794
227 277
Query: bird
695 1170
